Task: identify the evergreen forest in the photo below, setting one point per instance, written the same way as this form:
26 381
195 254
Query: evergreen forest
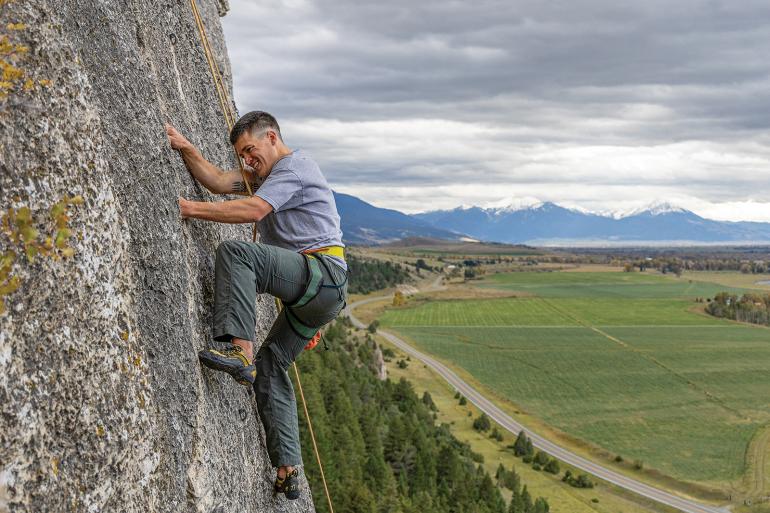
380 446
369 275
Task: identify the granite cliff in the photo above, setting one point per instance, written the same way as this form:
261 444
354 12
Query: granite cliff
106 294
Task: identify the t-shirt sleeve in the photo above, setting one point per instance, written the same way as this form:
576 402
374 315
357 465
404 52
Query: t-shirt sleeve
279 188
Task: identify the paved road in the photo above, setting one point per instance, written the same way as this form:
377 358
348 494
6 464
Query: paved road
514 427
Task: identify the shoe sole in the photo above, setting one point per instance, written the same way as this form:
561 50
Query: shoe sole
291 495
222 367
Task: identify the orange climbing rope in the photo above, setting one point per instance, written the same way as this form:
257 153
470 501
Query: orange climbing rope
225 103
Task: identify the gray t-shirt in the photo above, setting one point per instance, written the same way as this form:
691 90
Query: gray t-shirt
304 213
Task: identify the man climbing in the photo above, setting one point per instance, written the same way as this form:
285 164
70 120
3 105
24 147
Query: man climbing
299 260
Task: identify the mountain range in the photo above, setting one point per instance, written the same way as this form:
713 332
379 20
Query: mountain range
545 224
363 223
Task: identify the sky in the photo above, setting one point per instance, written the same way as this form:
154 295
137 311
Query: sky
601 105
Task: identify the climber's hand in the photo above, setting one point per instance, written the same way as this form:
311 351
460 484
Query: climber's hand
177 140
185 208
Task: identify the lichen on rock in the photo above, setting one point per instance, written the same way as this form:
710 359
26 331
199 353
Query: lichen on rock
103 405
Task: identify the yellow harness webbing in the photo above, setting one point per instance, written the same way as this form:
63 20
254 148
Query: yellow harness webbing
337 251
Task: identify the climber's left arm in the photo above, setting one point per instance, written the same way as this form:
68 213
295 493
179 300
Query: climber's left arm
247 210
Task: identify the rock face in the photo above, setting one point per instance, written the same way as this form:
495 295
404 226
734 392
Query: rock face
380 370
103 405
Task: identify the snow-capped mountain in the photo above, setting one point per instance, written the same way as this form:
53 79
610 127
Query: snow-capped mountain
531 221
537 222
653 209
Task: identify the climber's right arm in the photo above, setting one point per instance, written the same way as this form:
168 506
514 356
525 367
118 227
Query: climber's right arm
209 175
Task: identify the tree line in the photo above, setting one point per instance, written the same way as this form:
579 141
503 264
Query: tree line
370 275
677 265
750 307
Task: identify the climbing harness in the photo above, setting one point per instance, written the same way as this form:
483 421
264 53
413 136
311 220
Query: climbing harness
314 284
293 310
225 104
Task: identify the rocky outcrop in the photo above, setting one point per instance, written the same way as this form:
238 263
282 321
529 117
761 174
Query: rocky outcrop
378 363
103 406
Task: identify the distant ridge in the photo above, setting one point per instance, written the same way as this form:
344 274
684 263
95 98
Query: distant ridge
529 221
551 224
464 247
363 223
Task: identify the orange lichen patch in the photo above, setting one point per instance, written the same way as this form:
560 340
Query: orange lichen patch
13 77
10 53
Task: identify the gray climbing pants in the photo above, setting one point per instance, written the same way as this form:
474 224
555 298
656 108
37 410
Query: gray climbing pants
244 269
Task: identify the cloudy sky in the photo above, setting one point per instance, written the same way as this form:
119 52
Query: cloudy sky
605 105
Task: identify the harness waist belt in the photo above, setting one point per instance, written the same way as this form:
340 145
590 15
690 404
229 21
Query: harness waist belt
314 286
337 251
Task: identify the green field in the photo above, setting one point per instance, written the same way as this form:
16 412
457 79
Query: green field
573 311
605 285
616 359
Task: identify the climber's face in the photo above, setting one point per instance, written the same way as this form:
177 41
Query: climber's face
259 151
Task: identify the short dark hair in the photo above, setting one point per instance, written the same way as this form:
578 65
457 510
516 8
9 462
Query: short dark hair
254 121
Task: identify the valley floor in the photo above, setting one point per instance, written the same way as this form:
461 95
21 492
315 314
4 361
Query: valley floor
621 364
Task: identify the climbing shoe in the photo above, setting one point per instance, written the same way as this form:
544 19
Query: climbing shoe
231 361
289 485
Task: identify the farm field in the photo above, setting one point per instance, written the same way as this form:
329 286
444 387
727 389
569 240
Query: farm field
616 359
731 279
536 311
606 285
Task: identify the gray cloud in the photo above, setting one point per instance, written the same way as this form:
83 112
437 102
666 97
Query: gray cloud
601 94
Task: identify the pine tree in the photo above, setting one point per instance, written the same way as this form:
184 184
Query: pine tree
482 423
530 448
541 506
427 400
526 499
518 503
512 480
552 466
501 473
520 445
